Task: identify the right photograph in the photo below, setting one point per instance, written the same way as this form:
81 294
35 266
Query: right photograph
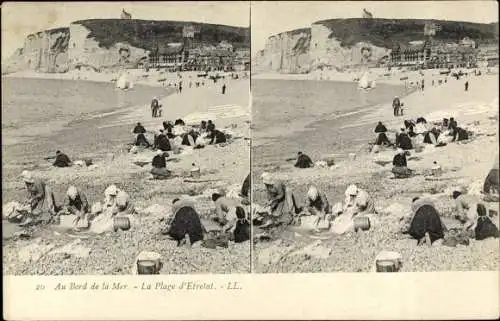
375 136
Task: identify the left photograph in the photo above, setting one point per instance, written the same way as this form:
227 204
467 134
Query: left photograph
125 138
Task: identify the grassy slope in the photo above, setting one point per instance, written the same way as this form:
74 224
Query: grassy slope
386 32
140 33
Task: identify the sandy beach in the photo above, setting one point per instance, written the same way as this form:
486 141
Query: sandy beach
464 165
115 253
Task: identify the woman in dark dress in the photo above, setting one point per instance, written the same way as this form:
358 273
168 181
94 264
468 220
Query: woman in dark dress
186 223
425 225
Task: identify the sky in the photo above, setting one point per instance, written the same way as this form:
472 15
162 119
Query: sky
269 18
22 19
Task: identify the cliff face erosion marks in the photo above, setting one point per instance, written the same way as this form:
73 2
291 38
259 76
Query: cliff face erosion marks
46 51
107 43
343 43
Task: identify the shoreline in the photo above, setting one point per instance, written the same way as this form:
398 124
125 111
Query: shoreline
153 77
464 164
221 168
399 77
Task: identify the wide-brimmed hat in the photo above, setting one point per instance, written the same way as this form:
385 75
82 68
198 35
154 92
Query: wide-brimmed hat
28 177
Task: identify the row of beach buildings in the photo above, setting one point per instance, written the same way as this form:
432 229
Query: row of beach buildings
190 56
431 53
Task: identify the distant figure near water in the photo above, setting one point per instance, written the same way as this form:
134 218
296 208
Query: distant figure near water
224 89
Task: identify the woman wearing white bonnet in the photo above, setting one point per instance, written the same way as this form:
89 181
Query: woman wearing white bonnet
76 203
358 201
317 204
110 195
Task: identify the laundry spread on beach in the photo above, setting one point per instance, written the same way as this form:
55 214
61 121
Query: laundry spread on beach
170 175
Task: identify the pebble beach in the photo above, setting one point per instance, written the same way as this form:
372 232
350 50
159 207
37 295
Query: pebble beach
464 165
222 167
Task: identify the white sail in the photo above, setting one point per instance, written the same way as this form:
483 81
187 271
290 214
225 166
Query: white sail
123 82
363 81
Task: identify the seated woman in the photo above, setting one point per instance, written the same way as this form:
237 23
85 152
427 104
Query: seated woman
117 201
281 201
141 140
162 142
431 137
223 206
76 203
216 137
485 228
41 202
400 168
403 141
424 224
241 232
358 201
189 139
317 204
303 161
185 224
159 163
382 139
465 207
62 160
459 134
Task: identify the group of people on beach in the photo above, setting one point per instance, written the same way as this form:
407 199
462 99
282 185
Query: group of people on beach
174 136
41 207
424 223
183 224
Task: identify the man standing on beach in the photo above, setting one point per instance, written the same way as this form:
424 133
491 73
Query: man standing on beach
466 85
224 89
154 107
396 104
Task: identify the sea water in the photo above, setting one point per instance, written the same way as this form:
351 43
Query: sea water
40 116
309 116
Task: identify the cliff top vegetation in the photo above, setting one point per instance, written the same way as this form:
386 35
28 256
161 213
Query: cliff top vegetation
143 33
387 32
